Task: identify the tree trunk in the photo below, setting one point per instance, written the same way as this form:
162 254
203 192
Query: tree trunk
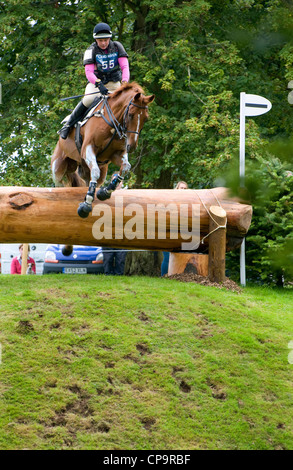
143 263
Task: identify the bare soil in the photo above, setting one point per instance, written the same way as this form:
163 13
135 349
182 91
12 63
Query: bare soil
191 277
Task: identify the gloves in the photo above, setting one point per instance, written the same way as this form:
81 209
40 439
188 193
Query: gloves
103 89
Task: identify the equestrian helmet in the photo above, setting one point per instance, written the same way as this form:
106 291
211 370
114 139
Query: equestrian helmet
102 31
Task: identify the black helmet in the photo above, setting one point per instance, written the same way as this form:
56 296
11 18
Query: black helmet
102 31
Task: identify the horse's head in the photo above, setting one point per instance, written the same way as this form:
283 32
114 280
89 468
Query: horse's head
136 114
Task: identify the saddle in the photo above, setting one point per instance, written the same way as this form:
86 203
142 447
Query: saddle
112 122
90 112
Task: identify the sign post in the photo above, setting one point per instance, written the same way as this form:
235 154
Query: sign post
24 258
250 105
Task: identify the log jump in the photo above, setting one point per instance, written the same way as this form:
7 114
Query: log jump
150 219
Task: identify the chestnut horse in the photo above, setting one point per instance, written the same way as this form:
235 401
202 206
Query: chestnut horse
109 134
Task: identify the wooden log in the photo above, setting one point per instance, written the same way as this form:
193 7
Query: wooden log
144 219
188 263
217 244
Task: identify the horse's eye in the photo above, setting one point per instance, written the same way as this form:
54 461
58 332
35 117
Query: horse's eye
131 116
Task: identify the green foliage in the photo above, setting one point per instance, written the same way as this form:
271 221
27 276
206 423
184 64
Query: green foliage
196 69
269 243
195 56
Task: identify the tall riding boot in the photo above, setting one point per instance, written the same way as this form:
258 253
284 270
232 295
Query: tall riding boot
75 116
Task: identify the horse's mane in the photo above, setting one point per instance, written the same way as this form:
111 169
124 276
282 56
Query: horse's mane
135 87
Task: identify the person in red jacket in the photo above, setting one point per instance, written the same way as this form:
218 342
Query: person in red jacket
15 267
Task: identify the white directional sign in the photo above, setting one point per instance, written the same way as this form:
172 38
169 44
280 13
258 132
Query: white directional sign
255 105
250 105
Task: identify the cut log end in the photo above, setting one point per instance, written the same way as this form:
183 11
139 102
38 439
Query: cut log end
180 263
20 201
218 211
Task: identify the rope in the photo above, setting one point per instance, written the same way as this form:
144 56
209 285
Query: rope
210 215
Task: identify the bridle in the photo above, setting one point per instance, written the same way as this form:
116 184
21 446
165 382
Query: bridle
120 129
126 115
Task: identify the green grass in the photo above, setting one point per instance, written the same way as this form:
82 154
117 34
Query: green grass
95 362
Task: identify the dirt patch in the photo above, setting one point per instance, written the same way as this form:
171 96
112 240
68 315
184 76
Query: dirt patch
148 423
196 278
129 357
109 365
51 383
143 349
55 325
143 316
103 427
24 327
176 370
79 407
105 294
184 387
217 391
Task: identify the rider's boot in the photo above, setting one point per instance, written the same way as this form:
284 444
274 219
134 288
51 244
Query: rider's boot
74 117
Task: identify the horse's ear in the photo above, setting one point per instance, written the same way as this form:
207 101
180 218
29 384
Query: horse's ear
137 96
149 99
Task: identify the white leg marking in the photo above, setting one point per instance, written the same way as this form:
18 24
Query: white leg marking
57 183
125 163
91 161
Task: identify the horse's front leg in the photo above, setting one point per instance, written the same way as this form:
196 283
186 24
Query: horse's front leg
125 166
90 158
105 193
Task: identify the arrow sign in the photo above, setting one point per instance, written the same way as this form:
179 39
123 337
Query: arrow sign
255 105
250 105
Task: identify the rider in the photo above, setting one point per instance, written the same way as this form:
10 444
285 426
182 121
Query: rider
106 63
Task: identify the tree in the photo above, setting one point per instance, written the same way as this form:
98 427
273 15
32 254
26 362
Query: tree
188 54
269 243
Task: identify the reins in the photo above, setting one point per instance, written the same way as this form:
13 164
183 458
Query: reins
119 129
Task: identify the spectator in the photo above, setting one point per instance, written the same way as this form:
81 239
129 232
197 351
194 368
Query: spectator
114 258
166 254
114 261
181 185
16 263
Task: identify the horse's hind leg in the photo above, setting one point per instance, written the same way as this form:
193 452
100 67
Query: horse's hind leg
64 169
64 173
90 158
59 170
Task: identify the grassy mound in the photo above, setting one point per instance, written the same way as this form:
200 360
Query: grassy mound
95 362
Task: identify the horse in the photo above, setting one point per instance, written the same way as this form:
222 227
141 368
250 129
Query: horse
110 132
